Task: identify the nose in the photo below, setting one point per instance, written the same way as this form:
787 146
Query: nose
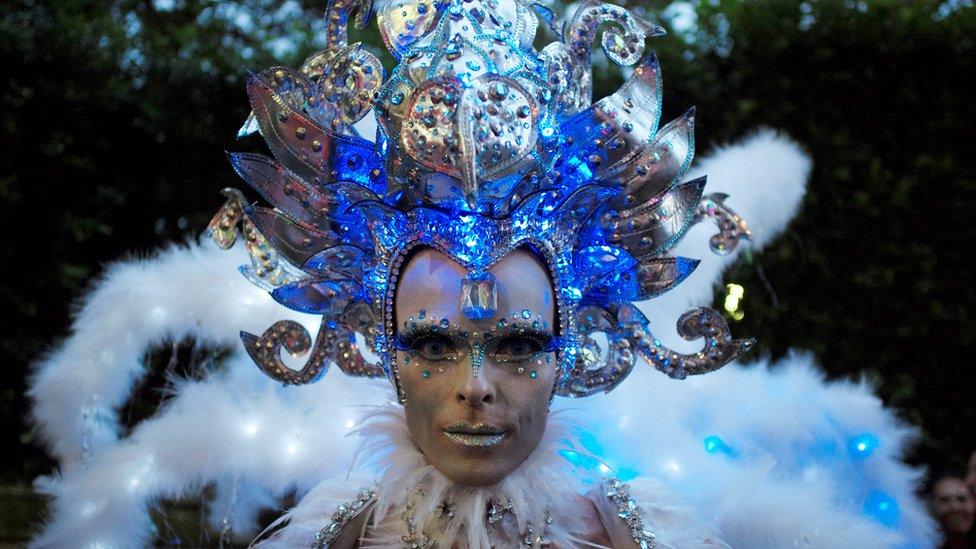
475 388
959 503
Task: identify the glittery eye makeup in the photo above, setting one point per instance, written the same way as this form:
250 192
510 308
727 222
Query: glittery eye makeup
520 342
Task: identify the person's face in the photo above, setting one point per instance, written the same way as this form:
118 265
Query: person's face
953 505
477 391
971 473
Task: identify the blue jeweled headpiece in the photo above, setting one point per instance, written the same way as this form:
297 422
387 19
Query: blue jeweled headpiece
484 145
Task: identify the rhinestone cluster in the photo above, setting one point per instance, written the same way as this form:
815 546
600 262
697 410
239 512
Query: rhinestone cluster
629 512
342 515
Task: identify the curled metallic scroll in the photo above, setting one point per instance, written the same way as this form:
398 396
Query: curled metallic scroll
346 76
629 336
623 48
335 343
267 270
732 227
337 14
403 22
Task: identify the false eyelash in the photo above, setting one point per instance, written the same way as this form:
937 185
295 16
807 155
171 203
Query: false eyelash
411 339
546 340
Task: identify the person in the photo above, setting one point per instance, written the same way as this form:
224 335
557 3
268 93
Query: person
483 254
508 223
954 508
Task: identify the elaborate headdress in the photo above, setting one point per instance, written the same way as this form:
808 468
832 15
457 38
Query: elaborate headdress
484 145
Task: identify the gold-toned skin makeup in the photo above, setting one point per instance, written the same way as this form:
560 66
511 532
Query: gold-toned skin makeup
477 391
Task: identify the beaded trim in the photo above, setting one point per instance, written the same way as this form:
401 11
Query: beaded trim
342 515
629 512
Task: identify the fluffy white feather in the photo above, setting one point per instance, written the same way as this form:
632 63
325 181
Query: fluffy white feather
784 472
255 441
183 291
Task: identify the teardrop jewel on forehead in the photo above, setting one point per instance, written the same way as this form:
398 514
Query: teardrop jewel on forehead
484 144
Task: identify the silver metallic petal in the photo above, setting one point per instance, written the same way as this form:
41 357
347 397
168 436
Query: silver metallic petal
295 139
656 226
614 132
296 241
650 278
268 270
295 198
497 130
659 166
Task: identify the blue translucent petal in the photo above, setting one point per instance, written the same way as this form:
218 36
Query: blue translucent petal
648 279
595 263
338 262
316 297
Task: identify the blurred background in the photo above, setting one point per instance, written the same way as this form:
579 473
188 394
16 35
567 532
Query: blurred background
115 115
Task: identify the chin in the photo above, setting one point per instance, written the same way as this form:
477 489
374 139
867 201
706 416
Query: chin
475 473
476 468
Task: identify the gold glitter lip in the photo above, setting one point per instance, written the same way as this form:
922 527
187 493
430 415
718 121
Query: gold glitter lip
483 435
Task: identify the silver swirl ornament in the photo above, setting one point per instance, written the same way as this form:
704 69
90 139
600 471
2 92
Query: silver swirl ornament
568 63
629 336
335 343
336 85
731 226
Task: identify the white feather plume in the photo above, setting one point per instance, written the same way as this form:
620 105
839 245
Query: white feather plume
788 478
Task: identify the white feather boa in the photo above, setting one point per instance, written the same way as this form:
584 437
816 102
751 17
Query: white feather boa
790 478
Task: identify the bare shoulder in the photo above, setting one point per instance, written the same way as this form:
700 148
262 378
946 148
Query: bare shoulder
591 525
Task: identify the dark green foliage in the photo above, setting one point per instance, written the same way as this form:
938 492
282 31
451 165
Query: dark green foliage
113 137
875 275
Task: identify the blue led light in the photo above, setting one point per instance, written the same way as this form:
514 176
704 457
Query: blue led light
581 460
715 445
882 508
861 446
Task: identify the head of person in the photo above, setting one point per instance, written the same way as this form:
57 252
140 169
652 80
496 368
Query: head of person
476 391
474 164
953 505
